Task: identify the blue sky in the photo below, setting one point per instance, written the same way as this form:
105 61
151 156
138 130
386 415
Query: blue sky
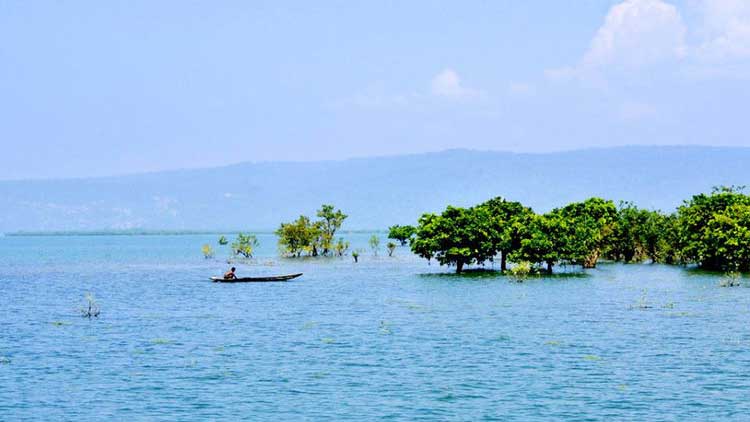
91 88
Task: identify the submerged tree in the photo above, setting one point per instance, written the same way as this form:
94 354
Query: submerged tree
714 230
297 237
458 236
374 244
330 221
390 247
312 237
223 240
508 220
341 247
245 245
401 233
208 251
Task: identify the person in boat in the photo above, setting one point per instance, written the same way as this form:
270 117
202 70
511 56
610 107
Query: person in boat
230 275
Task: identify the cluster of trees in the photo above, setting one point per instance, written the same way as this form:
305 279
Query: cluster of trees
711 230
313 238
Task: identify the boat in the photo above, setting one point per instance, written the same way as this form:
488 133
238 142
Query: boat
255 279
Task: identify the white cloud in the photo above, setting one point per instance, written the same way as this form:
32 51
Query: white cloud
448 84
635 34
638 33
725 30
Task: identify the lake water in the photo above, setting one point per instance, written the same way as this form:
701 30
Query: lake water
384 339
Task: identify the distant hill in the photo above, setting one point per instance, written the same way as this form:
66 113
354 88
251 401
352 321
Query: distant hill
375 192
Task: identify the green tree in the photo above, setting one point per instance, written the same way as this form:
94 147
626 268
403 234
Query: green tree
712 230
223 240
590 224
458 236
374 244
401 233
508 220
244 245
390 246
545 239
330 221
297 237
341 247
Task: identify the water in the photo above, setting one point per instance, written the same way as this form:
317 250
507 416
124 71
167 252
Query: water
384 339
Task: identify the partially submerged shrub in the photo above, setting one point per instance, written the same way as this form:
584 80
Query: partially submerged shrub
91 309
390 246
208 251
521 271
731 279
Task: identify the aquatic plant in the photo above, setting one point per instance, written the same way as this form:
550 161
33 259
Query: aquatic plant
91 309
245 245
731 279
521 271
208 251
355 255
374 243
390 246
223 240
311 237
341 247
401 233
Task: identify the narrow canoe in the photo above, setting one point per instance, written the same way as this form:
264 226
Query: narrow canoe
256 279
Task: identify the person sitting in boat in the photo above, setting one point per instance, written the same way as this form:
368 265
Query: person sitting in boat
229 275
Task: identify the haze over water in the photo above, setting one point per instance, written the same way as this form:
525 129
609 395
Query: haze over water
387 338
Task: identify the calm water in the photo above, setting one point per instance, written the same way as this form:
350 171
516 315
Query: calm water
385 339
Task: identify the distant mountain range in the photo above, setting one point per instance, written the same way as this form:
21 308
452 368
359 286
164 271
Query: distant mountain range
375 192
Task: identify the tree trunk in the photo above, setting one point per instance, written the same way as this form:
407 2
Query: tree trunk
549 267
590 261
503 261
459 267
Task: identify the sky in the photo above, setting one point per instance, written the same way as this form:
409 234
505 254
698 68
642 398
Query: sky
93 88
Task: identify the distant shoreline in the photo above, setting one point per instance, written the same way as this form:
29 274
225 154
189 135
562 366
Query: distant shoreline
150 232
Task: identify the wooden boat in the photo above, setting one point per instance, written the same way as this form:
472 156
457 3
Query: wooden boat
255 279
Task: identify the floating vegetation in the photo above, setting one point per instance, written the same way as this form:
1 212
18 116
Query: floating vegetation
668 305
592 357
385 328
59 323
552 343
622 387
160 341
327 340
91 309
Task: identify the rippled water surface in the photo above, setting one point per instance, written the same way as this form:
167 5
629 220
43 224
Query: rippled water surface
387 338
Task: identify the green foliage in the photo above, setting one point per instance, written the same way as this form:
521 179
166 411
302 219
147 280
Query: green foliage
587 227
313 237
390 246
507 221
355 255
521 271
341 247
401 233
223 240
458 236
374 243
640 235
298 237
208 251
330 221
244 245
714 230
